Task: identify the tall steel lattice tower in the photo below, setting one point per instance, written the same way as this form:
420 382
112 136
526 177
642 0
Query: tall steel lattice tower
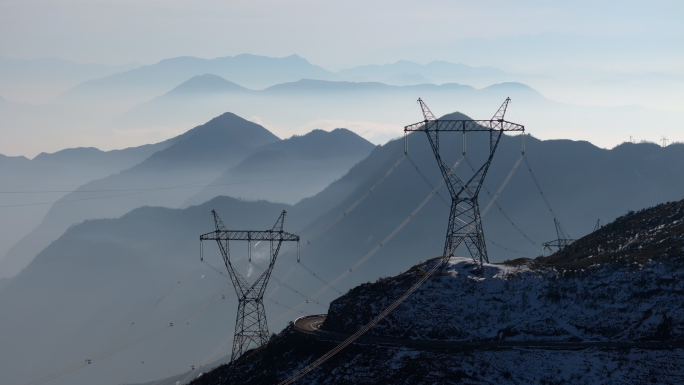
250 326
464 219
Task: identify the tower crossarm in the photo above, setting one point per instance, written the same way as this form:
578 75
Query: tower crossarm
465 221
250 326
561 242
249 235
222 237
465 125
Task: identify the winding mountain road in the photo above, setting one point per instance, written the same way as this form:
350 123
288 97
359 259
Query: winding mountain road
310 326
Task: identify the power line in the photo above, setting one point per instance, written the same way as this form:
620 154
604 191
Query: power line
515 226
493 197
119 348
536 183
343 215
439 265
144 189
132 191
319 278
353 205
374 250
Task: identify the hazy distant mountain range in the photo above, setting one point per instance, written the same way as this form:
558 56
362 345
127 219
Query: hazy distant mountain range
290 170
258 72
155 102
108 240
55 70
436 72
29 185
249 70
108 285
197 166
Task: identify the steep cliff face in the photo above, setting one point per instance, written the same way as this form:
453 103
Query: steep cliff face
613 303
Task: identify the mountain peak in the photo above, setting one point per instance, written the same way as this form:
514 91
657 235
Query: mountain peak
295 57
238 127
320 144
68 154
518 88
206 84
455 116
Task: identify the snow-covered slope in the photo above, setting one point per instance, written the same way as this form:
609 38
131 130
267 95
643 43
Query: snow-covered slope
615 300
604 303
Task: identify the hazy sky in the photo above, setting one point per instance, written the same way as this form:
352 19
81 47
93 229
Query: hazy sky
629 35
596 53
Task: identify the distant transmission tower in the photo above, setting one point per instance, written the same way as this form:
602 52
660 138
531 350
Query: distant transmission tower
563 239
464 219
250 326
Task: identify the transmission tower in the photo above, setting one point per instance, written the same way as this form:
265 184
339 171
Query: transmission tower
563 239
464 219
250 326
664 141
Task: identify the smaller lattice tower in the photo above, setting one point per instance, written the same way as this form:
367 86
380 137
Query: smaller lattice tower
563 239
250 327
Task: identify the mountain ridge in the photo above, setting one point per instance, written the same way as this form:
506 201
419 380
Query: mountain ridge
497 304
314 160
363 210
199 154
253 70
207 83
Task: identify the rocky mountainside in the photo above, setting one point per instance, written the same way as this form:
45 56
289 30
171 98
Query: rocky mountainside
651 233
612 303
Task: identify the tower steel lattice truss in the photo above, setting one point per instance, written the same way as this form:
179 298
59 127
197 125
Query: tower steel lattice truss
250 325
563 239
464 219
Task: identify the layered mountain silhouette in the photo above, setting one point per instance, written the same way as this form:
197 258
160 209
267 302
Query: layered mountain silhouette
228 155
290 169
151 80
120 283
120 296
32 185
437 72
165 178
143 103
54 70
204 85
305 101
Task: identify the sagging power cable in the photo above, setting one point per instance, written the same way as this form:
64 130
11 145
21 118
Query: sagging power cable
335 221
374 250
438 266
503 213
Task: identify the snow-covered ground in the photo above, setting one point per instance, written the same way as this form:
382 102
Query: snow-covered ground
621 284
516 303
